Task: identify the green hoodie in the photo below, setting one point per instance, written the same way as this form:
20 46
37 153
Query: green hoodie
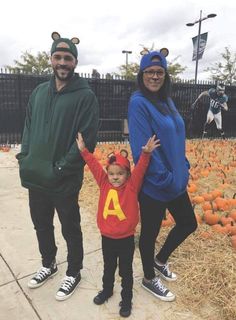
49 160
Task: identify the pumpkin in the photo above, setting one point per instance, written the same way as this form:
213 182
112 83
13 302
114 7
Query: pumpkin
219 228
233 241
206 206
207 196
210 217
231 228
233 201
198 199
226 220
232 214
191 187
216 193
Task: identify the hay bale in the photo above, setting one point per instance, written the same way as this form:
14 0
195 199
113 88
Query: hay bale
207 274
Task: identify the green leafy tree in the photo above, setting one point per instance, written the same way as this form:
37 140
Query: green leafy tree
29 63
130 72
225 70
175 69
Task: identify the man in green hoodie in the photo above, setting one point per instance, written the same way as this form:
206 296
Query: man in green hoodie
50 163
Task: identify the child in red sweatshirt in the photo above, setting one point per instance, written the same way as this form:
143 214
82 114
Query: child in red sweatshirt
117 217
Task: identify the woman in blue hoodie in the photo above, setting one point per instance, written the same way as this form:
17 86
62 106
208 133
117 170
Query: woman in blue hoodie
152 111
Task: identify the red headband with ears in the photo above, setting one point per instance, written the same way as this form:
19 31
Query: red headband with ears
119 160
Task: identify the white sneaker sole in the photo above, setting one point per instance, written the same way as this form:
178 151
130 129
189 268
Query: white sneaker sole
34 286
164 277
62 298
167 299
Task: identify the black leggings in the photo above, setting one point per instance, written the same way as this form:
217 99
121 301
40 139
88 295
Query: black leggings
119 251
152 212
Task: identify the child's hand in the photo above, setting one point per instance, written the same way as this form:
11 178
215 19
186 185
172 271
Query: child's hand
80 142
152 144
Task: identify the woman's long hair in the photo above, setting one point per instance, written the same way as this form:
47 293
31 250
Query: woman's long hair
160 99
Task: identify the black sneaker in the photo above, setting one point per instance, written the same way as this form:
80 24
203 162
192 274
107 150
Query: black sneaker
67 287
125 310
101 297
222 134
204 134
42 275
165 272
156 287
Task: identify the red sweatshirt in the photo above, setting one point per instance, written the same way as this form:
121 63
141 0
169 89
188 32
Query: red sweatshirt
118 210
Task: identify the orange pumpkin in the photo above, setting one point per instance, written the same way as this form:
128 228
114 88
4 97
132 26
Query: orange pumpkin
231 228
233 214
226 220
232 201
216 193
198 199
207 196
233 241
219 228
206 206
191 187
210 217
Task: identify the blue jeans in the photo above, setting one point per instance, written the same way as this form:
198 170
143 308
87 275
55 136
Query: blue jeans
42 209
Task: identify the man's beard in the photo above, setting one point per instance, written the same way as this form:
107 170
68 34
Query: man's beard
69 74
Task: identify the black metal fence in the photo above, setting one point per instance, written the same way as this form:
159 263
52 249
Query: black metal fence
113 96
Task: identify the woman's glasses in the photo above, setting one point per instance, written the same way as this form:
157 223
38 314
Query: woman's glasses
152 73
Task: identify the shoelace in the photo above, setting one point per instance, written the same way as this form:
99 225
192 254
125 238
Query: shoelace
166 268
158 284
67 283
42 273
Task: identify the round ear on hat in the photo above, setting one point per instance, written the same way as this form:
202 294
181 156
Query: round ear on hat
55 35
164 52
111 154
124 153
75 40
144 51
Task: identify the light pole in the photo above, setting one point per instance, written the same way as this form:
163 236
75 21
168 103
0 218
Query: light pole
126 60
211 15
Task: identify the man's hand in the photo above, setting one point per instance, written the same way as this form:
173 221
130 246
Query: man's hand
80 142
152 144
224 106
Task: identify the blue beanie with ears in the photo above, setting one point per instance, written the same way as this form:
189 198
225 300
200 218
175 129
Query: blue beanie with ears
147 59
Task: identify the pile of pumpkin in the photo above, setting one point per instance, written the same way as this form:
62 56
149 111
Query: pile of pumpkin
211 185
5 148
205 262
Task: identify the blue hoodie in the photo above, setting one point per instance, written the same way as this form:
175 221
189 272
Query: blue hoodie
168 171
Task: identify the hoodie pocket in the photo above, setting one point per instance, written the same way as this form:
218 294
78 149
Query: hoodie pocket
38 172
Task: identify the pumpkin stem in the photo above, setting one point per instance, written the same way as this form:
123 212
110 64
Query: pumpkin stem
223 173
212 207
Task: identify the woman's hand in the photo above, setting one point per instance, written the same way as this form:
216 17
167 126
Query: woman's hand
152 144
80 142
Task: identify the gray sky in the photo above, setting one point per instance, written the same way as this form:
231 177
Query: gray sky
106 27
